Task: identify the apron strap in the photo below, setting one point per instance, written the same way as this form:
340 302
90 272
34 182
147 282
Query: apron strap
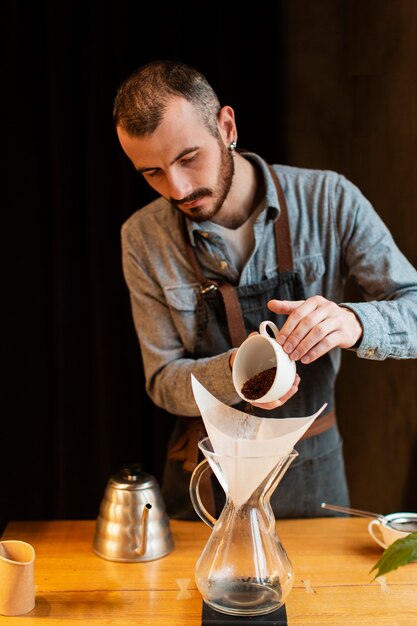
234 315
283 250
283 245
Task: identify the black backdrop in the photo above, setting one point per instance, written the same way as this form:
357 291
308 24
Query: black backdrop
74 406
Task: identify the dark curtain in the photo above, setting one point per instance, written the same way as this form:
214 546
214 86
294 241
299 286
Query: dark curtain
351 105
75 406
306 80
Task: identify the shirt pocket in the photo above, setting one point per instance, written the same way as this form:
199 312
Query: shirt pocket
311 270
182 301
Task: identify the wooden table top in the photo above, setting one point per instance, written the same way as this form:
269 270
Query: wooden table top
331 557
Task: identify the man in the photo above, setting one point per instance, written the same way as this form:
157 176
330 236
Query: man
232 241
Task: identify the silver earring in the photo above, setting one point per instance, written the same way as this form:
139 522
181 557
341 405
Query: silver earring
232 145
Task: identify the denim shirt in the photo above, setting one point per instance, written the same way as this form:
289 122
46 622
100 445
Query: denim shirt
335 234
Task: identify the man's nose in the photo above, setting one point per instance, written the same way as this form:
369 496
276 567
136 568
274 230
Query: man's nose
180 185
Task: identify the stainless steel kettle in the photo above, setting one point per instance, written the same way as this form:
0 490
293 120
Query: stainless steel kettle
132 524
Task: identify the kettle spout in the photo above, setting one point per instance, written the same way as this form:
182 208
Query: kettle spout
141 548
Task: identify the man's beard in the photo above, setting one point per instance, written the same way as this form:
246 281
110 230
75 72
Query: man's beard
224 182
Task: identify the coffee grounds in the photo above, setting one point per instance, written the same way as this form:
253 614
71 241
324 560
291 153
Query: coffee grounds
260 384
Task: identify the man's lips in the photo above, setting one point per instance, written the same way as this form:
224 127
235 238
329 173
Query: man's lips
193 199
191 203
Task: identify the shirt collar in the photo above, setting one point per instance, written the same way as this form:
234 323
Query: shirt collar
271 210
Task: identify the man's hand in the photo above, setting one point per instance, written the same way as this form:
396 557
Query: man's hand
315 326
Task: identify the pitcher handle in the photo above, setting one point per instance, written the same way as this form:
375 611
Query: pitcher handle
195 494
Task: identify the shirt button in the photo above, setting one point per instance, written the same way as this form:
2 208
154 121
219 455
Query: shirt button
370 352
224 265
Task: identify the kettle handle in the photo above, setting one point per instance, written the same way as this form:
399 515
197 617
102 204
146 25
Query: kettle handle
195 494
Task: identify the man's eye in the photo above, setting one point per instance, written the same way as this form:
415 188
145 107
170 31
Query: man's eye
151 173
188 160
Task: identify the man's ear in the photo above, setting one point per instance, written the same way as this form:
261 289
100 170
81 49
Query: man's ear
227 125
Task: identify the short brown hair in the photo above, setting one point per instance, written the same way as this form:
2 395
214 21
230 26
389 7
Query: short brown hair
142 99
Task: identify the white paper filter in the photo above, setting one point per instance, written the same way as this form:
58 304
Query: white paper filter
249 446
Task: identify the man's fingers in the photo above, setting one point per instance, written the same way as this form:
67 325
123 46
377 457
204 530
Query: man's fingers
284 307
314 327
324 346
277 403
309 334
301 319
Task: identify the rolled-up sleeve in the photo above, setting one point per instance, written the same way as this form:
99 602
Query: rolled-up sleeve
165 346
385 277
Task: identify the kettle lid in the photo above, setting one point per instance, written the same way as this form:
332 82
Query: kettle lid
131 476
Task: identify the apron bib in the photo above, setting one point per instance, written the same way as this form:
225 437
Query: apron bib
225 316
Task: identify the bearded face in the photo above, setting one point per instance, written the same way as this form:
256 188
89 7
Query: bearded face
185 162
200 212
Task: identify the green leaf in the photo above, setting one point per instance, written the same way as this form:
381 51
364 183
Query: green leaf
399 553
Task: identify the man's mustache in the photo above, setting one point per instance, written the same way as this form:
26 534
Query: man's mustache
203 192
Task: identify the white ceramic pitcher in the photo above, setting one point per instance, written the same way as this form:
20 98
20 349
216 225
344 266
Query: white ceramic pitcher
17 586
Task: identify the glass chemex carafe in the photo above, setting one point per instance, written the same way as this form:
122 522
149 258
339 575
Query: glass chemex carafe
243 569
